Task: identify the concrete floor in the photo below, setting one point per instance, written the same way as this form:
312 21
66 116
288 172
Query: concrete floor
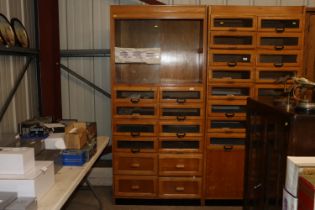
83 200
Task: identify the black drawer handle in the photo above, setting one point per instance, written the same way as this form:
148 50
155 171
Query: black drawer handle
180 100
135 150
231 64
180 135
134 100
181 118
135 134
280 29
279 47
230 114
278 64
227 148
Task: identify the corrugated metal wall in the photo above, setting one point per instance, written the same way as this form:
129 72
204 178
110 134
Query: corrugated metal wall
25 103
84 24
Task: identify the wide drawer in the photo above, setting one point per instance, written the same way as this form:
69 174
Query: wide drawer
181 112
134 128
230 91
181 95
135 111
135 164
232 40
180 145
276 75
134 144
233 23
230 75
281 24
174 187
135 186
226 140
284 58
135 95
226 125
270 92
231 58
180 164
181 129
283 41
226 108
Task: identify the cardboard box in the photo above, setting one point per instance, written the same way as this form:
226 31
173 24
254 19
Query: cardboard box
34 183
16 160
23 203
76 135
297 166
306 192
289 202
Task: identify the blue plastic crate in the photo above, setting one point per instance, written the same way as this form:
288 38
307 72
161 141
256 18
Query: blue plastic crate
73 157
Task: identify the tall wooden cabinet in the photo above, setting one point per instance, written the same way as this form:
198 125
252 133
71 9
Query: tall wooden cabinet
158 106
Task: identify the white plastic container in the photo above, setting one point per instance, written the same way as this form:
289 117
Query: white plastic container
16 160
55 141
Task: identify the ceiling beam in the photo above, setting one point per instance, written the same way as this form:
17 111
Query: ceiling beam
152 2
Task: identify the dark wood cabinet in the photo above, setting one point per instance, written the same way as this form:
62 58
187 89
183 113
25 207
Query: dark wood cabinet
272 134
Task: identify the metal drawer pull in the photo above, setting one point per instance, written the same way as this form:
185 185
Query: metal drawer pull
180 166
279 47
231 64
180 100
181 118
135 134
227 148
135 165
134 100
135 150
280 30
257 186
180 135
278 64
180 189
231 114
135 187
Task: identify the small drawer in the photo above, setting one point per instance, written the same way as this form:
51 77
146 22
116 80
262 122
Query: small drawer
135 186
233 23
135 95
226 139
281 24
226 125
270 92
231 58
232 40
135 111
181 129
135 164
180 145
181 112
227 108
181 95
175 187
276 75
134 128
279 58
230 92
134 144
275 41
180 164
231 75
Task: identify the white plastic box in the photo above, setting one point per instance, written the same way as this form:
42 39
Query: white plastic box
34 183
16 160
55 141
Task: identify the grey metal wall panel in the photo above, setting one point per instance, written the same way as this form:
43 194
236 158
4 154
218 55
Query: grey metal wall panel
292 2
239 2
187 2
266 2
213 2
311 3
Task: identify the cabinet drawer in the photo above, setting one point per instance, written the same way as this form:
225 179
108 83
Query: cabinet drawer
230 74
227 140
181 112
179 187
181 129
135 95
134 128
231 58
232 40
233 23
275 41
180 165
276 75
180 145
135 111
272 58
229 91
136 164
181 95
270 92
135 186
226 108
226 125
281 24
134 144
